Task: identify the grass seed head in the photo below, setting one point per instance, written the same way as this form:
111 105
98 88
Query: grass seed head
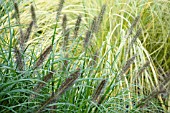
94 24
43 56
100 18
128 63
77 26
133 40
143 68
132 26
28 32
17 15
87 38
99 90
64 23
33 15
60 6
67 84
19 60
136 36
66 38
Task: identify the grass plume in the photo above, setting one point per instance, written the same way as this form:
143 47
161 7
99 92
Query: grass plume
98 91
60 6
94 24
142 69
136 36
33 15
158 90
127 65
64 23
43 56
77 26
134 40
19 59
100 18
132 26
64 86
66 37
28 32
87 38
17 15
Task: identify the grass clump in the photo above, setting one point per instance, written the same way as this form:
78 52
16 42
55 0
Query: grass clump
100 67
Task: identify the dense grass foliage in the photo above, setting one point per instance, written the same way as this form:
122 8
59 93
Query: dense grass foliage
84 56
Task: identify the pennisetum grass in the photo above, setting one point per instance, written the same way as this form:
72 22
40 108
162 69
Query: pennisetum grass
112 51
64 86
127 65
19 61
95 26
96 97
132 26
42 57
77 26
98 91
87 38
160 89
28 32
66 33
65 43
136 36
22 40
141 70
42 84
64 24
134 40
59 9
17 16
33 15
99 19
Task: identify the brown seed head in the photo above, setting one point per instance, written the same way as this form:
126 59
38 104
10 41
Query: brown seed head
99 90
132 26
100 18
127 65
60 6
87 38
77 26
68 83
43 56
19 60
64 23
33 15
28 32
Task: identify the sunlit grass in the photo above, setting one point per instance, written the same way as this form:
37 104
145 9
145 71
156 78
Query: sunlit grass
104 58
